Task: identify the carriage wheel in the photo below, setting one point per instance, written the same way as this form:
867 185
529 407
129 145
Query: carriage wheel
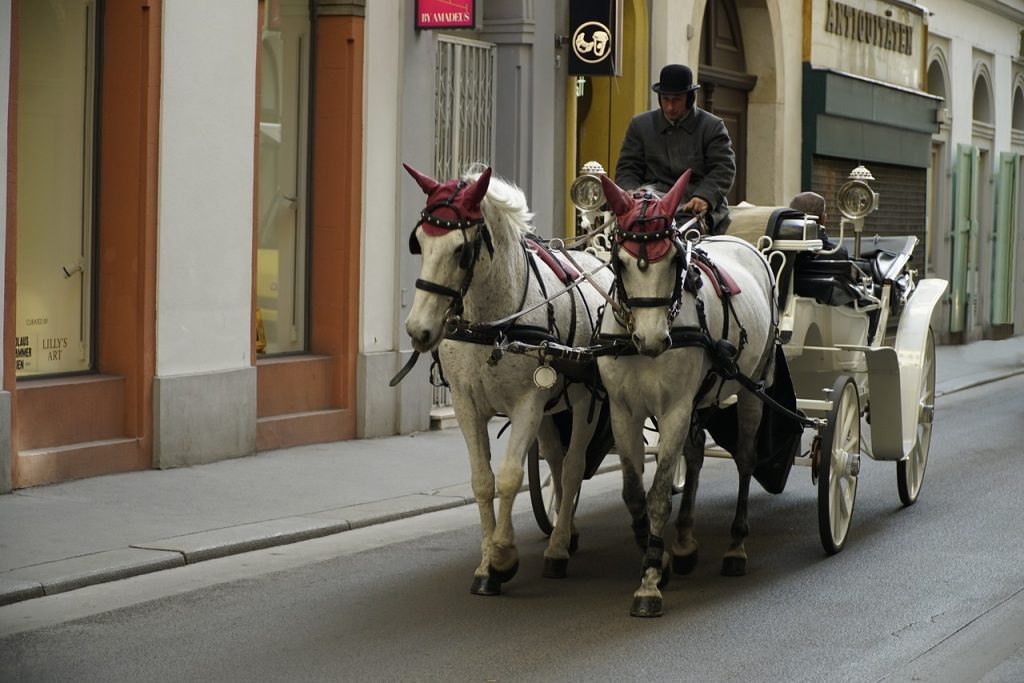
838 465
542 491
910 470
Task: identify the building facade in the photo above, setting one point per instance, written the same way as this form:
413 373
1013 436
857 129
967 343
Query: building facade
182 231
206 220
976 65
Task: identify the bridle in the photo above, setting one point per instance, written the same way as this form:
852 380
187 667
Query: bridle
470 248
686 256
682 259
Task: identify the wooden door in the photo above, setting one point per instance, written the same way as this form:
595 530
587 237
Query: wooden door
725 82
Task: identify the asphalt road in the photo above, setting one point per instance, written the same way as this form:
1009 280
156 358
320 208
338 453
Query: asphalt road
934 592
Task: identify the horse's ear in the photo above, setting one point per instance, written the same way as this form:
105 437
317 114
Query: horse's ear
671 200
426 183
475 192
618 199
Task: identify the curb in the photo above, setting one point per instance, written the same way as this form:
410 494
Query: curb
977 382
60 576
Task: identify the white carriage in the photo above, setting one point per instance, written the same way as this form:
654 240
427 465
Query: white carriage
854 326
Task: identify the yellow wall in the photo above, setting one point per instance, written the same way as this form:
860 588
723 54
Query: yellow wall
614 100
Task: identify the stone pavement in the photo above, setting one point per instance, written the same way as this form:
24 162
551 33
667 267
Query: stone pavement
65 536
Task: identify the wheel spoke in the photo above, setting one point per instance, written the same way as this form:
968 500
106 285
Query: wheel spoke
838 470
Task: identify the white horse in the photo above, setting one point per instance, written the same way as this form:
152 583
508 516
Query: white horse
479 267
670 310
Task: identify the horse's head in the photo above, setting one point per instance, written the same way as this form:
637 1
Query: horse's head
647 257
449 235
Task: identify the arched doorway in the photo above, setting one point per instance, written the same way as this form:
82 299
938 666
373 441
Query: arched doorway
725 83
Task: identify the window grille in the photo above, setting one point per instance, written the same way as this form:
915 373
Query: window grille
463 117
464 105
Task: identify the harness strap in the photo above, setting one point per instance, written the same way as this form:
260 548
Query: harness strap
434 288
405 369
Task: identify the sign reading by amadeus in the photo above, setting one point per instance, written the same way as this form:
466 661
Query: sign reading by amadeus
884 40
445 13
594 38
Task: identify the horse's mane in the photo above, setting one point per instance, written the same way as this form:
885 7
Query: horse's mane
505 203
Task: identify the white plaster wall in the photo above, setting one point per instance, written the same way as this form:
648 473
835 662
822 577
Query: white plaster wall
382 236
205 212
968 26
671 22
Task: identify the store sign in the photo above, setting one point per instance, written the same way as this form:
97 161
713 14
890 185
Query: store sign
884 40
445 13
594 39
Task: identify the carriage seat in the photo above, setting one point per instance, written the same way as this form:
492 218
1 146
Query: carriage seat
837 281
888 255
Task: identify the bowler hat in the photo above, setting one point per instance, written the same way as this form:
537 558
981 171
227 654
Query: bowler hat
676 79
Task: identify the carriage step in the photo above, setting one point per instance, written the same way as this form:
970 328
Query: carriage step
442 418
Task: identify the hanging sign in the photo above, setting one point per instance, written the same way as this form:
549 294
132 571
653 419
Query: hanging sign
445 13
594 37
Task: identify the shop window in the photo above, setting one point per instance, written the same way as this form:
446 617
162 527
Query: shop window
283 235
56 129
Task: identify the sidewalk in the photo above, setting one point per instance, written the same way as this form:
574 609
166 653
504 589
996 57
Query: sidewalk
65 536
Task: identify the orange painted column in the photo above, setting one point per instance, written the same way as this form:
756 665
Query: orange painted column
337 196
311 398
11 241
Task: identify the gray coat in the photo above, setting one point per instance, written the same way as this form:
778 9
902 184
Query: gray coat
656 153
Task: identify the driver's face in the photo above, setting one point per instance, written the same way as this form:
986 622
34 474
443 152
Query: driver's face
673 106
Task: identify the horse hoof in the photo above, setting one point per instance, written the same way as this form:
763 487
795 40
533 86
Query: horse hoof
574 544
734 566
503 576
485 585
555 568
646 606
684 564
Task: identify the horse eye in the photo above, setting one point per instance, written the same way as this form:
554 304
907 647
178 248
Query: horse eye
458 250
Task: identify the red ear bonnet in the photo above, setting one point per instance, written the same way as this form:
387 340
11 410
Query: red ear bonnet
670 202
628 210
426 183
448 201
619 201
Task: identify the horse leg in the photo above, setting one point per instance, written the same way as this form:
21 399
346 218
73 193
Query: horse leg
555 562
504 558
564 538
684 549
553 453
628 430
748 411
647 600
478 443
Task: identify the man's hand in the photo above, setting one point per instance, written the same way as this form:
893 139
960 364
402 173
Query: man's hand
695 206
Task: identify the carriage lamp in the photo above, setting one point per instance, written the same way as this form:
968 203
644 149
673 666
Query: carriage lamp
856 200
585 192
